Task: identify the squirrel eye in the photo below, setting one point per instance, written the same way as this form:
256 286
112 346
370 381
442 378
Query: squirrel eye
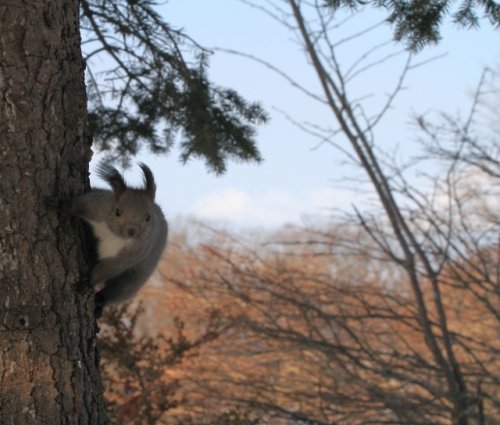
118 212
148 217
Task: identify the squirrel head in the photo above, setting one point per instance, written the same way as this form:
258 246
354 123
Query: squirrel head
130 215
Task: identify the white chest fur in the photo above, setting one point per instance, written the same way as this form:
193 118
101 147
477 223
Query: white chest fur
109 245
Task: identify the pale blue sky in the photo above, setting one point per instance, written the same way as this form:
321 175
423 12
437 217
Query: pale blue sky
296 180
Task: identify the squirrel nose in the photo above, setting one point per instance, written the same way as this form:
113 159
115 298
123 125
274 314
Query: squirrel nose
131 231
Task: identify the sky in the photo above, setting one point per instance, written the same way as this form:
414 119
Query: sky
299 179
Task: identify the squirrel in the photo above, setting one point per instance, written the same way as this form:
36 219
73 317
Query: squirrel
130 232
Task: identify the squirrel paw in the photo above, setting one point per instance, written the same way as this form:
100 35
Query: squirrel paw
83 284
99 305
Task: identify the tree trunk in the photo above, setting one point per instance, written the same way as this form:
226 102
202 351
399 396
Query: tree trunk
49 370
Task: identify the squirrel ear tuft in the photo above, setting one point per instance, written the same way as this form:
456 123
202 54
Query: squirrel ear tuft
112 176
149 180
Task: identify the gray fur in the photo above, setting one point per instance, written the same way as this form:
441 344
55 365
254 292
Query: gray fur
131 233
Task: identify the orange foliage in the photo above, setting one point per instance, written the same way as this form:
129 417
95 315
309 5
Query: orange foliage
312 333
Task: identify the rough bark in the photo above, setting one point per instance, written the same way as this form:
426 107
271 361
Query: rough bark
48 360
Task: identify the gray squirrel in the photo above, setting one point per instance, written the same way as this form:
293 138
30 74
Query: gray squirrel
130 231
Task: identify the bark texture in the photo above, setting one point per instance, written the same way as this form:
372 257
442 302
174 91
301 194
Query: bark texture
49 370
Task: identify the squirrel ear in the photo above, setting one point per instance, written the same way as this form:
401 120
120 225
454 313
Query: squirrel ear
111 175
149 181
